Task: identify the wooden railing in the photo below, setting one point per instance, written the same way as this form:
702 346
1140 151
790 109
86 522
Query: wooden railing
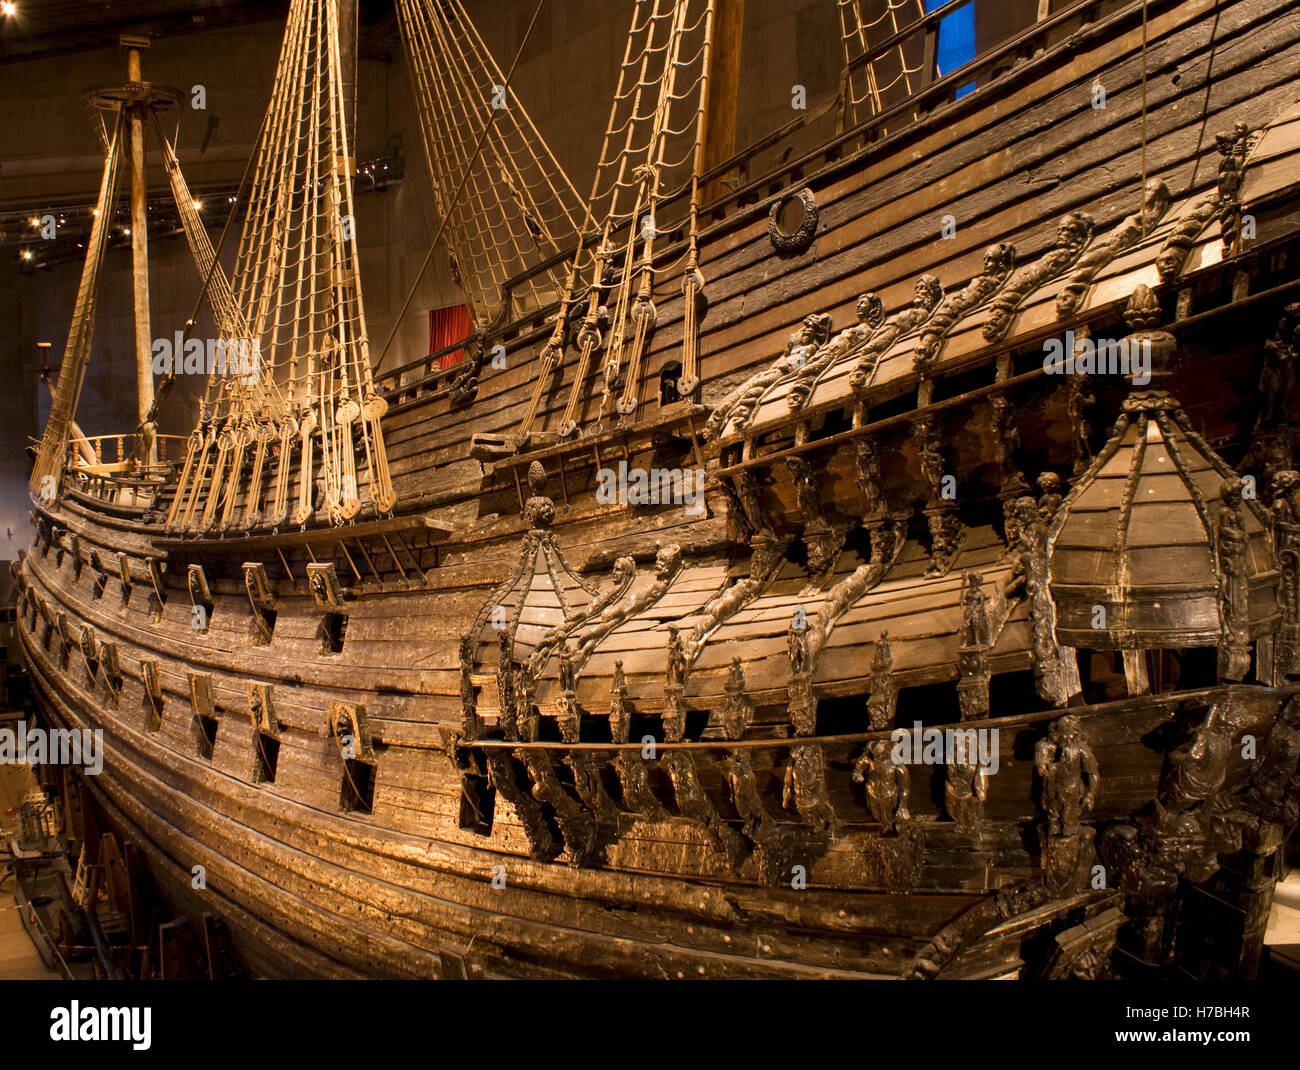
106 466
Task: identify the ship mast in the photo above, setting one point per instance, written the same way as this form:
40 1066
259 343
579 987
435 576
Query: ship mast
719 142
136 112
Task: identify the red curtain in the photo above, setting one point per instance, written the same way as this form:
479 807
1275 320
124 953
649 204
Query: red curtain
446 326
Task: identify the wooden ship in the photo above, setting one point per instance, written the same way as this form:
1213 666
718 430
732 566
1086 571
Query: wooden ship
587 655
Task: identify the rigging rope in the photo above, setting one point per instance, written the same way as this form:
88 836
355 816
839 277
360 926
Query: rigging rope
460 186
48 467
650 153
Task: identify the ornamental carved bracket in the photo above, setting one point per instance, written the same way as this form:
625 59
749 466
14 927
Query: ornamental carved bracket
1155 202
999 259
1072 236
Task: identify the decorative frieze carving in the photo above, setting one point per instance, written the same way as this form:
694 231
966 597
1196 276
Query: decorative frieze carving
1155 202
1072 235
999 259
928 294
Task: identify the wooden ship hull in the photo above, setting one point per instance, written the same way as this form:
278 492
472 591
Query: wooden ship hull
501 730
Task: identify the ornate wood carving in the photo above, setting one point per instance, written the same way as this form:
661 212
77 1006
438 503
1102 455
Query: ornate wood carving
674 719
888 784
1277 375
946 529
928 294
633 774
965 788
667 566
1068 770
350 730
542 845
819 536
999 259
1232 551
797 240
1232 172
805 787
973 654
882 704
1072 235
464 388
871 314
1155 202
740 405
1286 537
577 824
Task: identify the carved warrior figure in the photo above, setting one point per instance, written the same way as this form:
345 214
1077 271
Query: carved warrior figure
1222 204
1286 535
1070 776
1232 171
1072 235
1155 202
888 784
999 259
976 639
633 776
740 405
871 314
1232 550
1277 377
964 791
929 292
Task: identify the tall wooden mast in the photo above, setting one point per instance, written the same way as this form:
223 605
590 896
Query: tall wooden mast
140 242
724 88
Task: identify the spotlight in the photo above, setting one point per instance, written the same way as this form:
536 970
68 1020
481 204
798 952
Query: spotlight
198 206
27 254
34 221
8 8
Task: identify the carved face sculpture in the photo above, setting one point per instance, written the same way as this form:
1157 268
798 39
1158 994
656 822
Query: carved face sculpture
929 291
1073 231
666 561
624 569
1067 731
871 311
1285 482
817 329
998 258
1155 198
